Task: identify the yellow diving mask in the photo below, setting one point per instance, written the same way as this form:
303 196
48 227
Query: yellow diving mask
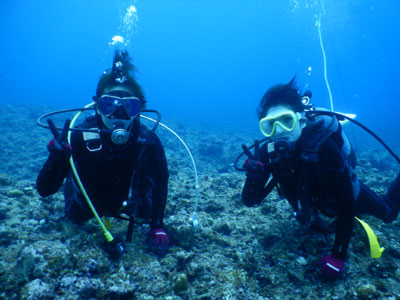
287 120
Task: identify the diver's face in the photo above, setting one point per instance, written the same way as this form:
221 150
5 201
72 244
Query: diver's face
120 116
282 124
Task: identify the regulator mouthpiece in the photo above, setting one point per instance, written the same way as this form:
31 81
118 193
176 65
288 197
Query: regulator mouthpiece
120 135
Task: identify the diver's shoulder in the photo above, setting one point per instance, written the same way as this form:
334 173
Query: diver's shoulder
147 136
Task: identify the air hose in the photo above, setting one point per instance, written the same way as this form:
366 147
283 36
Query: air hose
194 220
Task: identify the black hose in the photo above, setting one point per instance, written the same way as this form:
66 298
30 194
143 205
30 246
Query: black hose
342 117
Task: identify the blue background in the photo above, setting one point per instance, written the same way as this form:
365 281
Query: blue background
208 63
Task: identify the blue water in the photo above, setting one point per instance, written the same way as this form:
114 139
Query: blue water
208 63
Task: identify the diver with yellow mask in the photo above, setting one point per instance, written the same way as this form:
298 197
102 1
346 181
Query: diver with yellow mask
308 158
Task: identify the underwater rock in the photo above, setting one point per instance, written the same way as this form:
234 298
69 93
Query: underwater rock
382 269
5 180
29 191
301 261
15 193
91 264
3 213
194 271
87 287
181 284
213 208
269 241
6 238
30 264
394 252
381 285
182 260
119 294
182 235
223 228
43 259
294 276
37 289
366 291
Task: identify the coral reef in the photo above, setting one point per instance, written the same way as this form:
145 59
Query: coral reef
234 253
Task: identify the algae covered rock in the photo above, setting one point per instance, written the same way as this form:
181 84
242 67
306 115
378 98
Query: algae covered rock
30 264
43 259
7 238
182 235
37 289
367 291
5 180
15 193
181 284
222 228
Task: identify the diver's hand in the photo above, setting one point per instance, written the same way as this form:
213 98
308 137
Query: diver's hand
115 249
253 165
331 267
157 241
58 147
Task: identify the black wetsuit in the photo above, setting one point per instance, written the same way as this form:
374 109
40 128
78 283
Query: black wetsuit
328 183
106 174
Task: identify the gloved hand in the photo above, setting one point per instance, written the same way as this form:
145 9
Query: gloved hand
253 165
58 147
157 241
331 267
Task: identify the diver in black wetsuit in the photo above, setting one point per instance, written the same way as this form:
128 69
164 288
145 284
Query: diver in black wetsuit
122 167
312 165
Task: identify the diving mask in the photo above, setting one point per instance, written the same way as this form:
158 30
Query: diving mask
109 104
287 120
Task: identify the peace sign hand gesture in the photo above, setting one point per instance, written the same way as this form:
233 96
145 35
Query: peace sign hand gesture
58 147
253 164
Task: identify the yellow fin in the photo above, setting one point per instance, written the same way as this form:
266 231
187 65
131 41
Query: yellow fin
376 250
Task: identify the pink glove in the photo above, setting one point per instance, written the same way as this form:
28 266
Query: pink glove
331 267
157 241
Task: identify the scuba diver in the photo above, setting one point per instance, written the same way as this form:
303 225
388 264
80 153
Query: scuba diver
120 162
308 158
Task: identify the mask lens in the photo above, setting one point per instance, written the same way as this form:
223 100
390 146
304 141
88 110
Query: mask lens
107 105
132 107
287 121
267 126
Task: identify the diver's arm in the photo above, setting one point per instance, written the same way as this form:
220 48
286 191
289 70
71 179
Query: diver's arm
342 189
345 218
51 176
158 172
254 190
56 168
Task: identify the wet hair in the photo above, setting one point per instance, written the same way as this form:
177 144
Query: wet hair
281 94
121 74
